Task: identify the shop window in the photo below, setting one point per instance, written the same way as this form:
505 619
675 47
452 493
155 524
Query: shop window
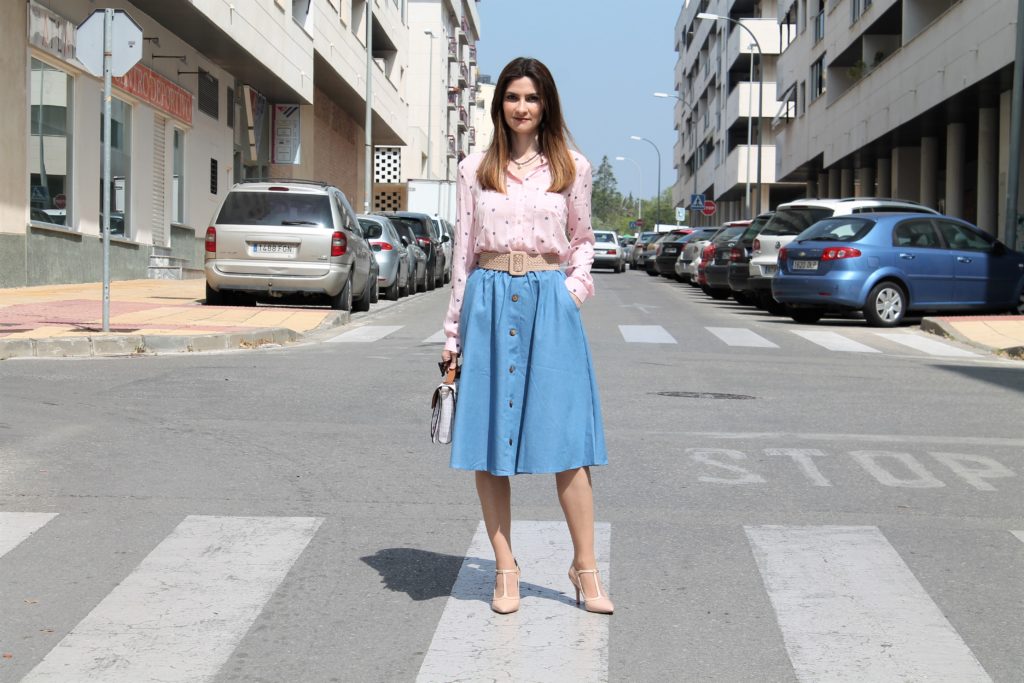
209 94
50 144
178 178
120 167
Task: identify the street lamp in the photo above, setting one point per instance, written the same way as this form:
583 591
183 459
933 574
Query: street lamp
693 113
430 97
657 201
760 91
640 175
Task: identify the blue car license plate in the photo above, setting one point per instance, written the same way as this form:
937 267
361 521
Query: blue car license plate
805 265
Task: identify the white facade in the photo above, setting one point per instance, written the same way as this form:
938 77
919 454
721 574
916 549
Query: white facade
483 126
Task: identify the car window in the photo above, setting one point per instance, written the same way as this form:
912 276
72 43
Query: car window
845 229
371 229
728 235
918 232
414 224
604 236
276 208
794 220
963 238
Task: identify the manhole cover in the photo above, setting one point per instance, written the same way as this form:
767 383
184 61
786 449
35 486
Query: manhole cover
705 394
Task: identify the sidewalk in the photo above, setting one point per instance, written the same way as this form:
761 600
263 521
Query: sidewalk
146 316
1002 335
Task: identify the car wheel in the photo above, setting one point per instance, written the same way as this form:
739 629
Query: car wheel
742 298
374 287
403 290
719 294
362 304
886 305
213 297
431 279
393 292
342 301
806 316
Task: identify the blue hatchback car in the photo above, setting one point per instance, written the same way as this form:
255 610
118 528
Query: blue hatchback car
886 264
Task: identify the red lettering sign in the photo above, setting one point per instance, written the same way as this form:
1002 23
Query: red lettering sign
154 89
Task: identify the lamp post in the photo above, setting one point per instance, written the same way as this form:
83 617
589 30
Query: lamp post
693 113
430 99
640 175
760 91
657 201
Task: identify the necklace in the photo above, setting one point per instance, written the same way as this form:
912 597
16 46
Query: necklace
520 164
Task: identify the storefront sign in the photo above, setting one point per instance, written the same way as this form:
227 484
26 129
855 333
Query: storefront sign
154 89
285 129
51 32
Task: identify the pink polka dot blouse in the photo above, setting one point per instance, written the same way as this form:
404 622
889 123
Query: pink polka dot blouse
528 218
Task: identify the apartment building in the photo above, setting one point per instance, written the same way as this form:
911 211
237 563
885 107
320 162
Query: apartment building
480 118
224 91
722 109
900 98
443 35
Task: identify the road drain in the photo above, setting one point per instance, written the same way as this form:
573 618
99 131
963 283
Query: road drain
705 394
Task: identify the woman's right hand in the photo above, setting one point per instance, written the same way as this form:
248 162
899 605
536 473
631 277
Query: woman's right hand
447 358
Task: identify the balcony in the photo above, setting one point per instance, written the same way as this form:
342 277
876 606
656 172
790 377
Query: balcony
472 135
463 118
742 102
472 54
453 50
464 30
453 98
452 147
734 170
463 74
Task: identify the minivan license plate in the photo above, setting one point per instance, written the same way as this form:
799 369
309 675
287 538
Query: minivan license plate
272 249
805 265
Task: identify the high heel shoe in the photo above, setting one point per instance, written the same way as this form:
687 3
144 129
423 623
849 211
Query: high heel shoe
600 603
505 603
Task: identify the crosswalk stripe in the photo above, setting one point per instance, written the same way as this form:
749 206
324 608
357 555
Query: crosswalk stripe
368 333
834 342
184 609
646 334
436 338
932 347
1019 534
15 527
851 610
548 639
739 336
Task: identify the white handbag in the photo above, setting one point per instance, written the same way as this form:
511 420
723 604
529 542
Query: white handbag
443 402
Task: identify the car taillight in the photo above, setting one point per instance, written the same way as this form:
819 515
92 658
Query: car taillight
735 254
612 252
211 240
709 252
339 243
757 245
836 253
783 254
386 246
423 241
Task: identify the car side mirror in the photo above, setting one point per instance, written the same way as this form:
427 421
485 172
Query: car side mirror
444 238
998 248
405 242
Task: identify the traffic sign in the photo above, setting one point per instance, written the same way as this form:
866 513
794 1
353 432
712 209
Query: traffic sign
709 207
639 222
126 45
632 225
680 213
696 202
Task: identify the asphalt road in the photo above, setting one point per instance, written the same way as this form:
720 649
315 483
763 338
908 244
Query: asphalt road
778 507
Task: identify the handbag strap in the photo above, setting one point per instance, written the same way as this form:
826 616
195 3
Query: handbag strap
449 377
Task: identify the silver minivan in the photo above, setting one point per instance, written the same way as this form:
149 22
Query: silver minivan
283 238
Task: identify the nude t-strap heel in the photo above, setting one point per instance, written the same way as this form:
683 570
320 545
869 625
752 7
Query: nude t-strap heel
505 603
599 603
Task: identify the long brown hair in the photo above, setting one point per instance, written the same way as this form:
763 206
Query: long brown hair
553 135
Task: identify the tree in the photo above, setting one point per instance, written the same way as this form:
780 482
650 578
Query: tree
606 201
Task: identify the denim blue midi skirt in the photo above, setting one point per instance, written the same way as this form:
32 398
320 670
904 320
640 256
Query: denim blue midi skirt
528 399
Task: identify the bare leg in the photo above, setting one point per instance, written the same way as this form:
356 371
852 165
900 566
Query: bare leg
576 494
496 503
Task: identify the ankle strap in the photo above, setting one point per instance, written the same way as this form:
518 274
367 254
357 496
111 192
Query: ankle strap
586 571
507 571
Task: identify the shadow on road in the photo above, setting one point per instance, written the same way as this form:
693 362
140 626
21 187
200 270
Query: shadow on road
1007 378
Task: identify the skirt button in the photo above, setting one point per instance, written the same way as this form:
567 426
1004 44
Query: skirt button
515 297
512 332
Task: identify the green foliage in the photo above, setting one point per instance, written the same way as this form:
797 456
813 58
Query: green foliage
613 211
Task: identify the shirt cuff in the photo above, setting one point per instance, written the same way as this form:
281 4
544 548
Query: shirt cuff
451 344
576 287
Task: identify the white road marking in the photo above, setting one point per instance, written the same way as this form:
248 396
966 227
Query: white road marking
367 333
646 334
1019 534
834 342
739 336
974 469
932 347
436 338
920 477
548 639
184 609
15 527
851 610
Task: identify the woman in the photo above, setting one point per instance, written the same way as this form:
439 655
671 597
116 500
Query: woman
527 397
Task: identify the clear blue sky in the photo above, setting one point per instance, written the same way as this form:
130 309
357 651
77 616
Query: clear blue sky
607 58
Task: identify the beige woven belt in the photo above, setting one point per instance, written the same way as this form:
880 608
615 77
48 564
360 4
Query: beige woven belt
517 262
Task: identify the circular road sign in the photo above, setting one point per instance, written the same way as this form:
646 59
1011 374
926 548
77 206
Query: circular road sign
60 201
709 207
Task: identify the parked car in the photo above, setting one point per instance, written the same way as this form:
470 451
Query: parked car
791 219
391 255
608 253
289 237
627 242
429 238
739 259
690 257
651 251
443 227
643 240
719 252
668 251
888 264
416 256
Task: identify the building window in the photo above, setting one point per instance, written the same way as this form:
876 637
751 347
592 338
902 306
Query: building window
802 104
178 178
231 108
855 10
819 22
120 167
818 78
209 94
50 117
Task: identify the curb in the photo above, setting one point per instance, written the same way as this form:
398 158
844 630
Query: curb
941 328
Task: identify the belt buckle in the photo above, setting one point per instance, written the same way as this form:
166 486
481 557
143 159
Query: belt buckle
517 263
